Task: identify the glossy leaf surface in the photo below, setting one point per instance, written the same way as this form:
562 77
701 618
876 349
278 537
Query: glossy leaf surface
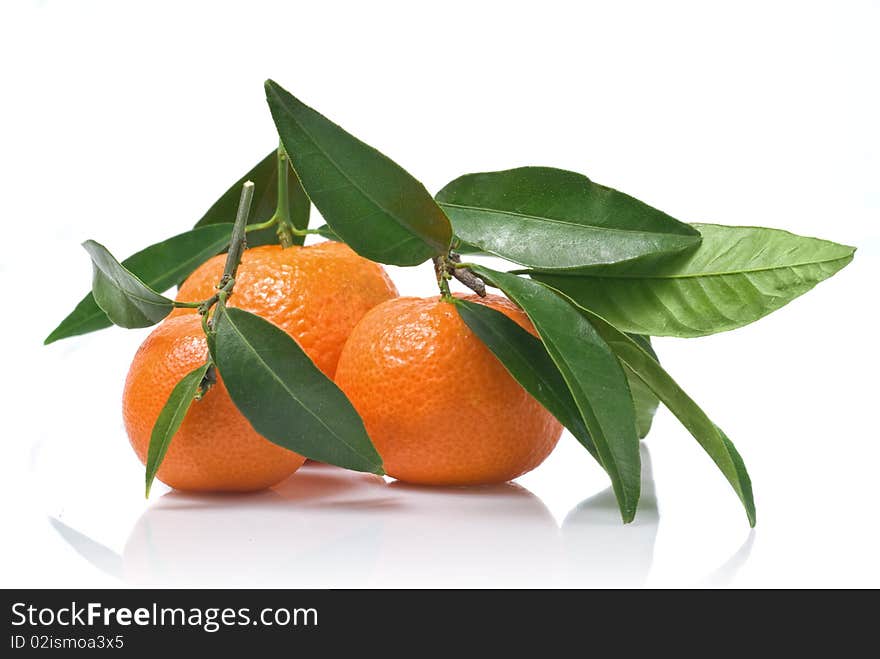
126 300
594 377
528 361
692 417
284 395
552 219
735 277
645 400
370 201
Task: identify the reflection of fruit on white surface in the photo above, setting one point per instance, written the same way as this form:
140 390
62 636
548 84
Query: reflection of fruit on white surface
479 536
325 515
331 528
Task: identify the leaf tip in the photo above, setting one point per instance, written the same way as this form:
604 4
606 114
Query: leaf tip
270 86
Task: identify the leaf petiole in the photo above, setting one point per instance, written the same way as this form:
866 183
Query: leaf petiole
306 232
271 222
188 305
275 220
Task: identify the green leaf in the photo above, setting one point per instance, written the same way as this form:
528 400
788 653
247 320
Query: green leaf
326 232
126 300
284 395
707 434
372 203
528 361
159 266
594 377
264 176
736 276
170 418
462 247
645 400
552 219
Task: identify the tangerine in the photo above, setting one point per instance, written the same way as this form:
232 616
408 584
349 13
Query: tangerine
317 294
215 449
438 405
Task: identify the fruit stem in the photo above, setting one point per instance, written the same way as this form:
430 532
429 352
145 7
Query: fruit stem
238 242
237 245
285 229
450 266
442 272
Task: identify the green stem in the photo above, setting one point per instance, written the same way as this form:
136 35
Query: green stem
441 269
445 293
285 230
188 305
238 242
237 245
271 222
282 207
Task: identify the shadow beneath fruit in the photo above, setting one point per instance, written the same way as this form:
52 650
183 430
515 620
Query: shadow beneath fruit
602 552
327 527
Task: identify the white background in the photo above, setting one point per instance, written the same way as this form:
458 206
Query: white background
123 124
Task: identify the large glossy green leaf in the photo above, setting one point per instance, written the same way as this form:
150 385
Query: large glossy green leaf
377 207
707 434
736 276
645 400
528 361
126 300
552 219
284 395
264 176
594 377
170 418
159 266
